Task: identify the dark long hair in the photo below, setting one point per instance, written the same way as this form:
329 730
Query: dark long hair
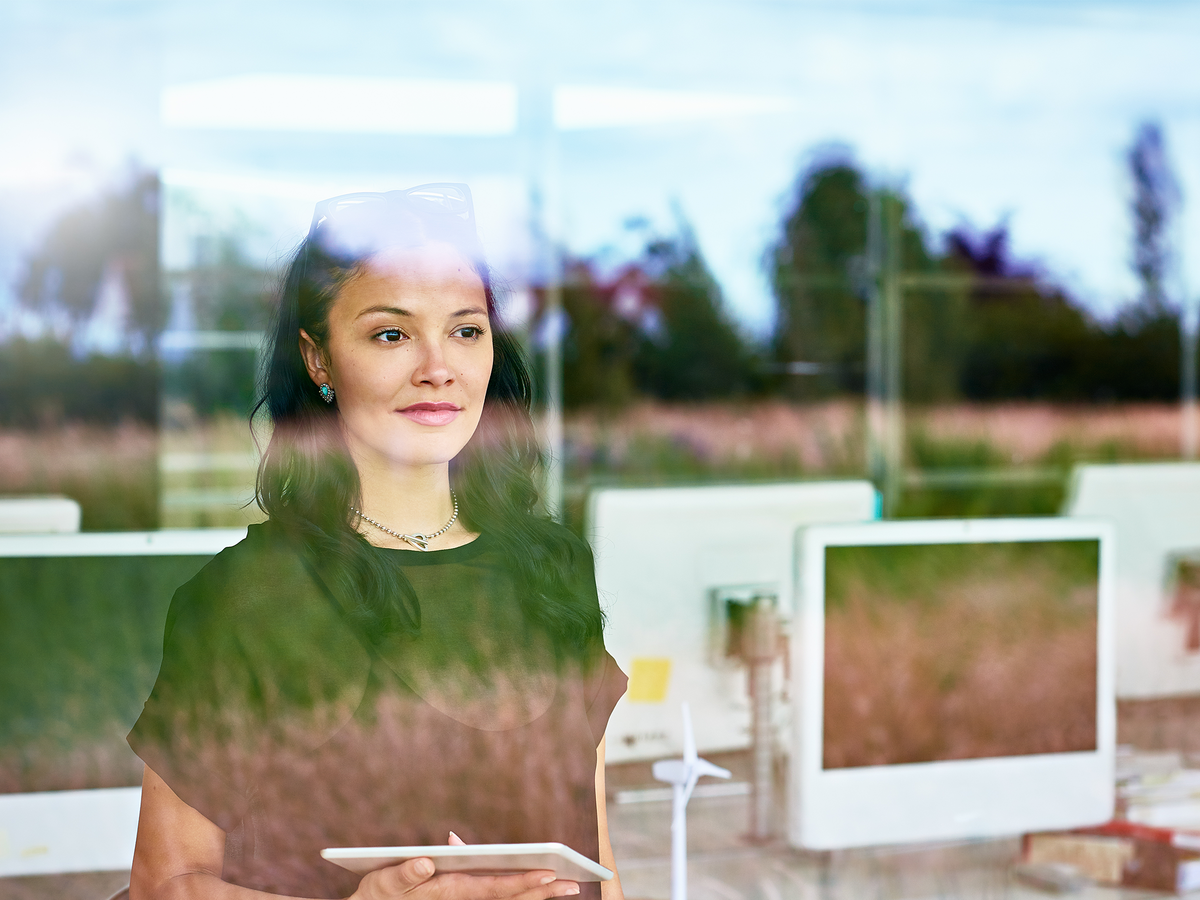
307 481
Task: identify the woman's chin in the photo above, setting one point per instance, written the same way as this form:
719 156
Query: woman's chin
432 453
415 447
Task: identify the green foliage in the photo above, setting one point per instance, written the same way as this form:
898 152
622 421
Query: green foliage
1013 335
658 328
819 316
1029 340
1141 357
692 351
928 576
1155 199
976 496
47 381
213 381
1025 345
80 645
228 291
44 384
599 345
818 271
119 232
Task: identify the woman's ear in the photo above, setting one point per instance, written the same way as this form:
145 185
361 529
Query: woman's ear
314 359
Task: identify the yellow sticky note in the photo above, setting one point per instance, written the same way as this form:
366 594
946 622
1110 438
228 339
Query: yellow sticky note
648 680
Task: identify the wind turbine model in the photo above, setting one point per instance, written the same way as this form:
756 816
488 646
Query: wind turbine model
682 775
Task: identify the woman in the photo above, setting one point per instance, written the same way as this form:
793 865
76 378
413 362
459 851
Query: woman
405 652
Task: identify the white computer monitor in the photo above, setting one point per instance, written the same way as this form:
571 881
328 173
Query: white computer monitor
670 565
954 679
80 647
1155 509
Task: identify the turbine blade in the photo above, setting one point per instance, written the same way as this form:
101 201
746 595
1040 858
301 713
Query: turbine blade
704 767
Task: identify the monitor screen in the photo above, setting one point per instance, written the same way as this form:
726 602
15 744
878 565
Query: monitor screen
80 646
954 651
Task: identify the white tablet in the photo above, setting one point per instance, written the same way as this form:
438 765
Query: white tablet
477 859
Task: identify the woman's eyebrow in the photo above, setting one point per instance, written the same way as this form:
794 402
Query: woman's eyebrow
469 311
391 310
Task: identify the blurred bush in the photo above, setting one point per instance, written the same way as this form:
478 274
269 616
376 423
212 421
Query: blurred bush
44 384
818 271
657 327
1012 333
114 240
999 328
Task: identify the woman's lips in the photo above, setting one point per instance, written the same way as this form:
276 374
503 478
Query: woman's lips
431 413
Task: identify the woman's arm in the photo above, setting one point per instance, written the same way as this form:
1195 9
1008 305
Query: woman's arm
609 890
179 855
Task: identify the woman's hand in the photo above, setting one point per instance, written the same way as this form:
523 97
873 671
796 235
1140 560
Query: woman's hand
414 879
416 875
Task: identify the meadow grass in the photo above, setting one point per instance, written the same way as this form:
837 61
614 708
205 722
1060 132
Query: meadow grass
111 472
114 473
657 444
960 652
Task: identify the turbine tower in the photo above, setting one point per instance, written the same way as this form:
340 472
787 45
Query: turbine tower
682 775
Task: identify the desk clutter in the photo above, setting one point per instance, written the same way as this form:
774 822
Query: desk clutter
1153 842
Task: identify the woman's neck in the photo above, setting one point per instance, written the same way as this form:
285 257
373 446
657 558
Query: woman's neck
408 500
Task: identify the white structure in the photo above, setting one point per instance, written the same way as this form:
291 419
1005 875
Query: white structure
974 789
85 830
671 563
682 775
68 831
1155 508
38 515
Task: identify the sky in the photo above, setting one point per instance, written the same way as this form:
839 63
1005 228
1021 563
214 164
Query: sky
984 112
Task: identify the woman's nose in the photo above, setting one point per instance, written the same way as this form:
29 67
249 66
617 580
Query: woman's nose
433 368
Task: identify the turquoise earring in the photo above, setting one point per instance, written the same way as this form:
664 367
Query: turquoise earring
326 392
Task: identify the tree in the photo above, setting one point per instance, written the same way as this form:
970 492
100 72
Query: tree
1014 334
689 348
599 343
657 327
816 267
1155 199
1029 339
117 236
819 317
1025 339
228 291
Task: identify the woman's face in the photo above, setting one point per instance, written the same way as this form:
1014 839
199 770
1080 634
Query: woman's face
409 355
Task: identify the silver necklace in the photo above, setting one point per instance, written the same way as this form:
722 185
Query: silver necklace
420 541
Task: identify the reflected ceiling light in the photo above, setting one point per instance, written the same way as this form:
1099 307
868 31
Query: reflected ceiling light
194 180
323 103
579 107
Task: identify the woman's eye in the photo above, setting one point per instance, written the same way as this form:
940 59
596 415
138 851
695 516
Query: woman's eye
390 335
470 331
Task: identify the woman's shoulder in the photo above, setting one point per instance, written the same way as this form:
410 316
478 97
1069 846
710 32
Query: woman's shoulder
263 575
260 559
259 602
558 537
251 634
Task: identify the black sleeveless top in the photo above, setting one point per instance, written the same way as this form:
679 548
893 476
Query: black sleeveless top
278 721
